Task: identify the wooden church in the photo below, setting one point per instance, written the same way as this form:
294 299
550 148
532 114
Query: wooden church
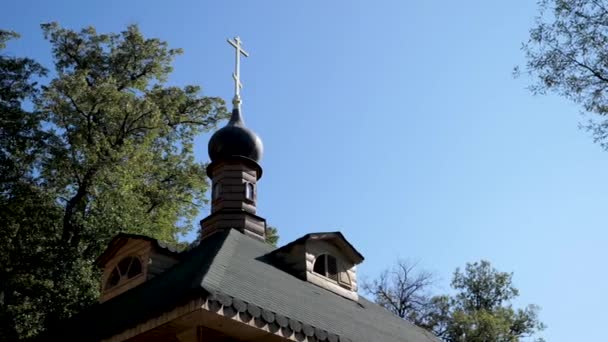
232 286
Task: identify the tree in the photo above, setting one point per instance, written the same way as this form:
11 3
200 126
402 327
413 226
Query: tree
566 54
20 134
403 290
108 147
272 235
21 143
481 310
478 311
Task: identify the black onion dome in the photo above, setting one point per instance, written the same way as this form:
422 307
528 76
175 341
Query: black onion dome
235 139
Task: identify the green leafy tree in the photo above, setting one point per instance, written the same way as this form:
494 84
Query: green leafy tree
20 134
480 309
23 242
566 54
108 147
272 235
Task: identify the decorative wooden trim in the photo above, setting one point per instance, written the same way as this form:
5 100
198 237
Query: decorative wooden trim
239 311
266 320
164 318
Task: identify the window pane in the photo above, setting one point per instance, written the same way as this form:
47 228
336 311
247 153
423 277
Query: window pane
114 279
135 268
123 265
332 268
319 266
249 191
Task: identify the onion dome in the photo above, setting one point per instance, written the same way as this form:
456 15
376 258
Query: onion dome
235 140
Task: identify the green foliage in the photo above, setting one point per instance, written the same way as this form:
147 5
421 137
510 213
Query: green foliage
481 311
566 54
108 147
482 287
5 36
272 236
25 231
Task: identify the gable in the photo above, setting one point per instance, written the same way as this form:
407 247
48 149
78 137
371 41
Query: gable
130 260
344 248
123 251
325 259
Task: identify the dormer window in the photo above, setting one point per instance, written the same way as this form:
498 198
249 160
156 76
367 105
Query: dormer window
126 269
324 259
327 266
249 191
130 260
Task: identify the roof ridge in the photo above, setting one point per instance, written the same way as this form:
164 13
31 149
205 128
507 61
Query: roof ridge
228 247
209 259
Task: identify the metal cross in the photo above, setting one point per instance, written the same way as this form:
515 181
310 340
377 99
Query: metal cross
236 43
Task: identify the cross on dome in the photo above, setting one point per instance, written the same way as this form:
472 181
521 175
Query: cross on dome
236 75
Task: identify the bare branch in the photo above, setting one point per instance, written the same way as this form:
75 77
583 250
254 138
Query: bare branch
402 289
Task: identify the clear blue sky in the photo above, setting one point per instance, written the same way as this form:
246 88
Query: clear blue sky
398 123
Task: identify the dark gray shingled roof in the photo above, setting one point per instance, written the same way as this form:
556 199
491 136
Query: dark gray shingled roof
239 271
231 267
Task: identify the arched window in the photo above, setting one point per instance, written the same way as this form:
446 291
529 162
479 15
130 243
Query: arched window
327 266
126 269
249 191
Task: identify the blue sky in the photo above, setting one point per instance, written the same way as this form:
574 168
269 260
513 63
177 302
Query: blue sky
398 123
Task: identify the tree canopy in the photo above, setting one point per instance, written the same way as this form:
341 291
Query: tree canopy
272 235
566 54
105 145
481 308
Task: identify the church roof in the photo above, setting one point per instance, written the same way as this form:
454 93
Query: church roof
233 269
